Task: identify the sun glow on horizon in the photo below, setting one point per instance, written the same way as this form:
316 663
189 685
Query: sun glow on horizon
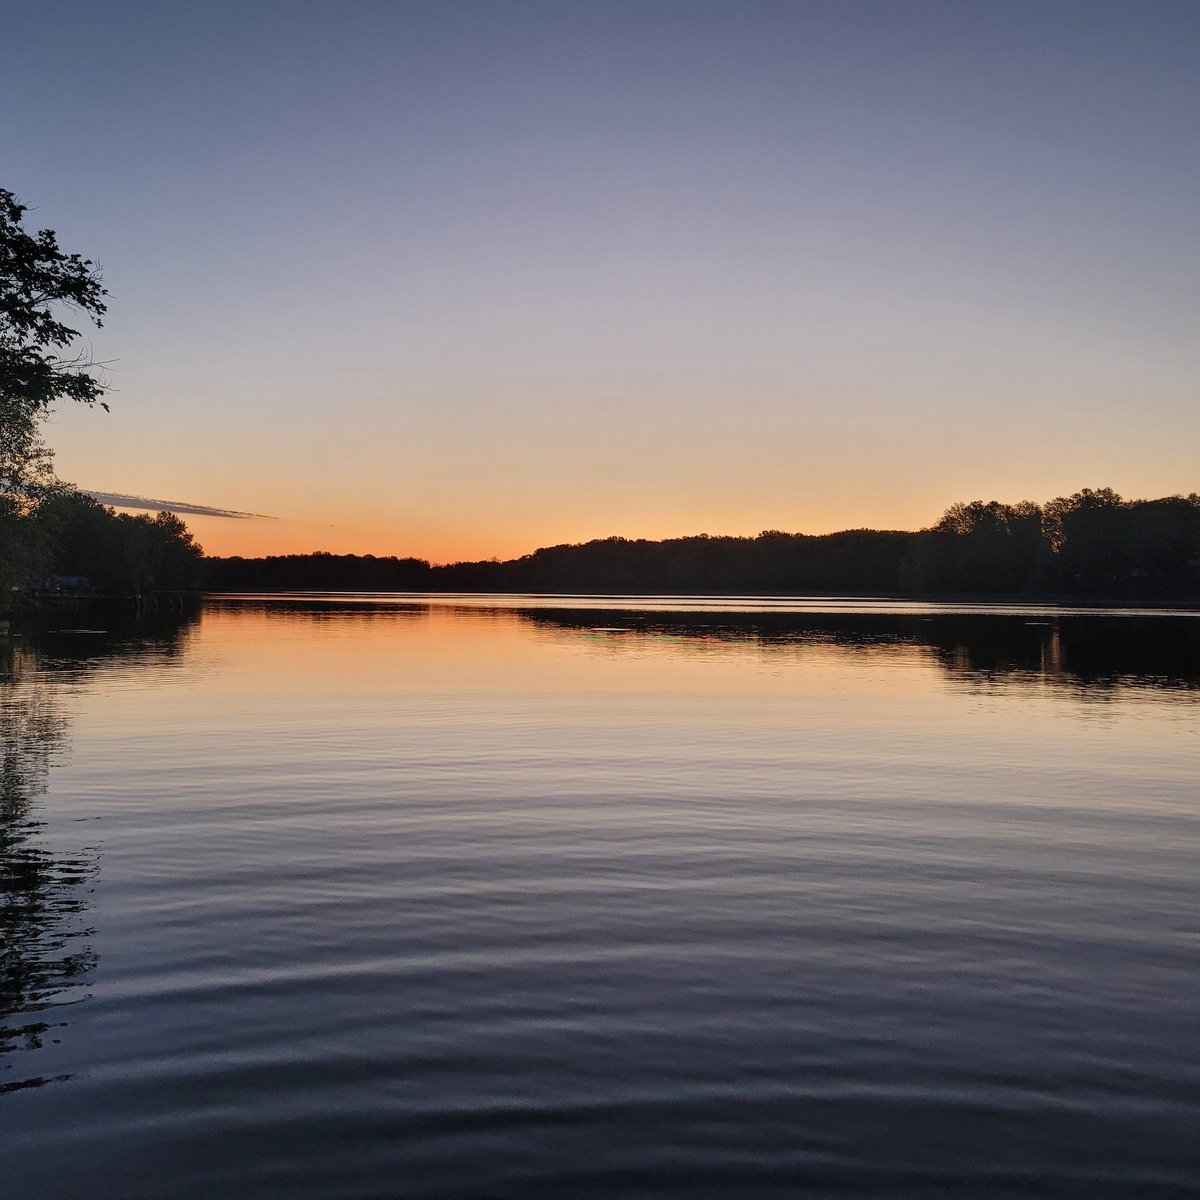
810 267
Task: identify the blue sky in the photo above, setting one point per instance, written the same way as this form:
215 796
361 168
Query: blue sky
464 279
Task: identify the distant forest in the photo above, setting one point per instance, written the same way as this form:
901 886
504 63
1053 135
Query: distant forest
1093 543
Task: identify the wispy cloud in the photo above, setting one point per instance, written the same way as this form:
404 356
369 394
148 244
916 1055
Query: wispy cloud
120 500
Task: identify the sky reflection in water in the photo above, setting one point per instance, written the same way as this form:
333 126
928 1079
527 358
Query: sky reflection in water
505 899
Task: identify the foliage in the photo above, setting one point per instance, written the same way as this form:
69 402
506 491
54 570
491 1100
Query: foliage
116 552
25 460
37 282
1090 543
17 554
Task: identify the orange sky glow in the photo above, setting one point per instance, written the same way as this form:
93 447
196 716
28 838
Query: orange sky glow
460 285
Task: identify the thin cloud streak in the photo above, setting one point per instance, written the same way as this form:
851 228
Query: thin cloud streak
120 500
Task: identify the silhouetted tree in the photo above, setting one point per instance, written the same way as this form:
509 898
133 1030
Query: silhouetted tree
993 547
37 369
1088 532
1164 537
116 552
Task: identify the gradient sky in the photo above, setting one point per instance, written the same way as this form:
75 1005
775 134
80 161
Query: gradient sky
463 279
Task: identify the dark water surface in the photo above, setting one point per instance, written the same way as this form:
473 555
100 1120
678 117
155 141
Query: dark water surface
359 898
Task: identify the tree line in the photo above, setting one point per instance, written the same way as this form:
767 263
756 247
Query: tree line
1092 543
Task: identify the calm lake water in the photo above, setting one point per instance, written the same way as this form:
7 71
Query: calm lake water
341 898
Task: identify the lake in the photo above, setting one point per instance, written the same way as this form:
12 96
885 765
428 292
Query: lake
339 897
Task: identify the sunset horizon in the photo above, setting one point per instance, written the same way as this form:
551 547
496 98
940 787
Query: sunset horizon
259 535
461 288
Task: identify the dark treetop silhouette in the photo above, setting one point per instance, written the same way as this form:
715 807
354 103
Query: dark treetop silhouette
37 367
69 541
